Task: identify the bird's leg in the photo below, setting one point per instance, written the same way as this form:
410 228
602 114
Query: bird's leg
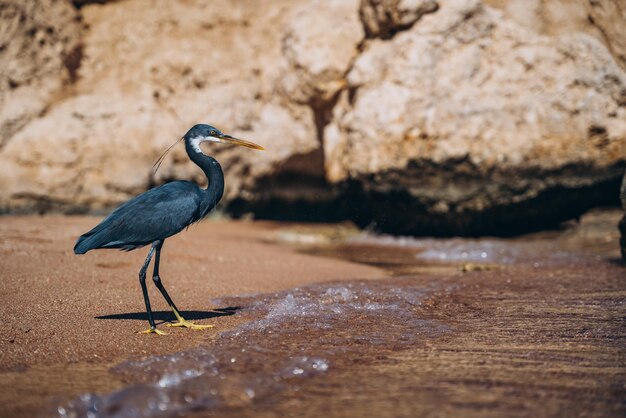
182 322
142 281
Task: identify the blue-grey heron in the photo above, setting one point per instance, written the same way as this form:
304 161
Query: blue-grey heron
163 211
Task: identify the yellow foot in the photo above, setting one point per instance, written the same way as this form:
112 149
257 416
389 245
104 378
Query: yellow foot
152 331
189 324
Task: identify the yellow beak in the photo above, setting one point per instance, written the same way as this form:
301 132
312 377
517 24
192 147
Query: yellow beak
236 141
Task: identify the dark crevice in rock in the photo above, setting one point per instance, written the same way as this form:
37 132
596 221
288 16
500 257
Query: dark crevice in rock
295 191
80 3
376 204
291 193
72 61
384 19
291 198
323 113
460 202
322 116
322 209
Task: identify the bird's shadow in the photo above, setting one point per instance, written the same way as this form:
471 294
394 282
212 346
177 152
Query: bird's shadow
166 316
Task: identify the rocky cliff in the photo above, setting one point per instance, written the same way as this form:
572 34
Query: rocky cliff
416 116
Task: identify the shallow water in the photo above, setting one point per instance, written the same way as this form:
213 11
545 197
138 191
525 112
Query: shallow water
465 328
289 337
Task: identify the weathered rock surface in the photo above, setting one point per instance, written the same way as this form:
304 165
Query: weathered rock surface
317 51
39 53
319 48
383 18
602 19
469 121
422 116
143 81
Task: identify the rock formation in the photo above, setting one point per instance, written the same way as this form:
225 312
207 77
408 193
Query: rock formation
141 84
384 18
603 20
40 51
419 116
471 122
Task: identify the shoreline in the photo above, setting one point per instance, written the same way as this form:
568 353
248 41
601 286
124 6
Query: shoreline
67 316
74 306
504 322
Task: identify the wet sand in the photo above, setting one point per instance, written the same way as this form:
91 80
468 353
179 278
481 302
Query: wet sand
67 317
530 327
513 349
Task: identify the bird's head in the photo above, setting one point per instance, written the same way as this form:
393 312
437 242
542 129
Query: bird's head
207 133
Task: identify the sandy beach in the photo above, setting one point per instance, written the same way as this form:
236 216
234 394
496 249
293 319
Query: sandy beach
59 307
324 322
381 208
66 316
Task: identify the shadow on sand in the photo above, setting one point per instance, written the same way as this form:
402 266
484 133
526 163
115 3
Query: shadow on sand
168 315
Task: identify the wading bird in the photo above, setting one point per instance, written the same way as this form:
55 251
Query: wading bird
163 211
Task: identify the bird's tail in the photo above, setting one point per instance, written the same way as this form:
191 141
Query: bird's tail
84 244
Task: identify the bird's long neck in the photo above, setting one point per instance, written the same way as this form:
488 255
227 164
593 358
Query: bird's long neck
213 171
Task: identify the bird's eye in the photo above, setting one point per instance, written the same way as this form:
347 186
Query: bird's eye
213 133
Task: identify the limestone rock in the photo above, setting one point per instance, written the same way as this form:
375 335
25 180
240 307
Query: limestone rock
142 83
422 116
610 19
603 19
319 44
82 154
469 123
383 18
39 53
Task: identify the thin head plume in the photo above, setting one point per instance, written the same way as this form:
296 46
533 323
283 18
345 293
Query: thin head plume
158 162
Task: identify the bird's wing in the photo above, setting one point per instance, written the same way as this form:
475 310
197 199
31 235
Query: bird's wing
154 215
